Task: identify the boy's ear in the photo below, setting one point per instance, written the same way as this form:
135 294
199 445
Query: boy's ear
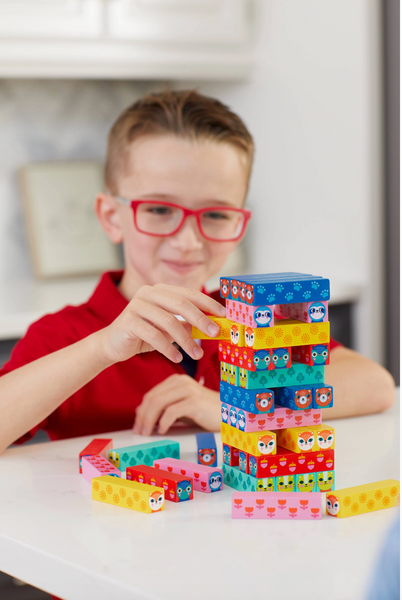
109 217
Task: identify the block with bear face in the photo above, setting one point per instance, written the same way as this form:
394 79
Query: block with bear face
294 397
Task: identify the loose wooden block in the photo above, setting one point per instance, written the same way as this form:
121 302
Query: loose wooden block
296 397
205 479
206 449
128 494
257 401
251 316
287 333
307 439
307 312
224 333
363 498
97 446
177 488
281 418
257 444
275 288
130 456
282 505
96 466
286 462
230 455
313 354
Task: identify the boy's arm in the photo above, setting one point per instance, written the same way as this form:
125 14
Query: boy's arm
361 386
32 392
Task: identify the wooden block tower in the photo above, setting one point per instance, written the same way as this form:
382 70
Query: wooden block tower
274 345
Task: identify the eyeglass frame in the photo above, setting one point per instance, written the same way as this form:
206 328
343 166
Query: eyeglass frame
187 212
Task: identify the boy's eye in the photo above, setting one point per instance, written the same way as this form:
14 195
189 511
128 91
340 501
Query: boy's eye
159 210
215 215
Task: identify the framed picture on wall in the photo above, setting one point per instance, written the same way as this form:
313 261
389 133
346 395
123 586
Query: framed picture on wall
65 237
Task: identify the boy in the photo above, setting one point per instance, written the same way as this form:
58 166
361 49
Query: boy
91 369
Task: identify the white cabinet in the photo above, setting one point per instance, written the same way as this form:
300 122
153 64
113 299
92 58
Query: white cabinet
40 19
143 39
219 22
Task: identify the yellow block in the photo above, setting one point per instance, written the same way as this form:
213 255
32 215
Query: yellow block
363 498
259 443
288 332
310 438
224 333
129 494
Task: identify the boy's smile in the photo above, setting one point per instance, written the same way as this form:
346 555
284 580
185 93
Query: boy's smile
194 174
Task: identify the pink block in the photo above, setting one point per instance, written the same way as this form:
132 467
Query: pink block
240 312
206 479
281 418
97 465
276 505
301 311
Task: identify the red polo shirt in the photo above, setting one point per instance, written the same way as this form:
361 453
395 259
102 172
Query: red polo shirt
108 402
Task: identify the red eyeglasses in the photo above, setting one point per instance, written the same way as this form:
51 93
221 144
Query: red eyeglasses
217 224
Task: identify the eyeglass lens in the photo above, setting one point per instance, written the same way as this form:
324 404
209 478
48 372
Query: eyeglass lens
218 224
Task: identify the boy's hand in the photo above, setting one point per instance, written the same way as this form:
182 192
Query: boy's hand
176 397
148 323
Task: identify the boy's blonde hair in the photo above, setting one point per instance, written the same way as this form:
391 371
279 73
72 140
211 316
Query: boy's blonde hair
186 114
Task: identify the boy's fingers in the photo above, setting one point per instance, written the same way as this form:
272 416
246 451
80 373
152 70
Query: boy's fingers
155 338
165 321
155 402
173 413
188 303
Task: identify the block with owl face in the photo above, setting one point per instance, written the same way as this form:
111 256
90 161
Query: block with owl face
312 354
294 397
361 499
230 455
177 487
307 439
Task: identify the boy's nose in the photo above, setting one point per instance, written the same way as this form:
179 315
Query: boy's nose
188 237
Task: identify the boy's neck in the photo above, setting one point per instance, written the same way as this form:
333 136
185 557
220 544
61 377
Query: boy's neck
129 285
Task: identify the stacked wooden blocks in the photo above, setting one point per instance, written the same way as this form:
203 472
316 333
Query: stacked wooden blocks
274 345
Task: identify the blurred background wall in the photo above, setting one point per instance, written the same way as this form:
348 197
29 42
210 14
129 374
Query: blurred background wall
311 90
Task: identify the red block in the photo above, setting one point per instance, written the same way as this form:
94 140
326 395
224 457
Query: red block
303 354
97 446
164 479
286 462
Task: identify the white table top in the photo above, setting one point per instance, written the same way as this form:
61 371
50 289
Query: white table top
55 537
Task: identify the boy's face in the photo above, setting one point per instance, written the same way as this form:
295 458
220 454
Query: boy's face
192 174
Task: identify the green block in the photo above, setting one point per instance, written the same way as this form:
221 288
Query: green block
143 454
242 482
297 374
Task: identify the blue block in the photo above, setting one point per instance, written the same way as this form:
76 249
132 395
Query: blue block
260 401
279 288
296 397
206 453
323 396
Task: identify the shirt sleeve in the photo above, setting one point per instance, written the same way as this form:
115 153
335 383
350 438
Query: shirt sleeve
49 334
